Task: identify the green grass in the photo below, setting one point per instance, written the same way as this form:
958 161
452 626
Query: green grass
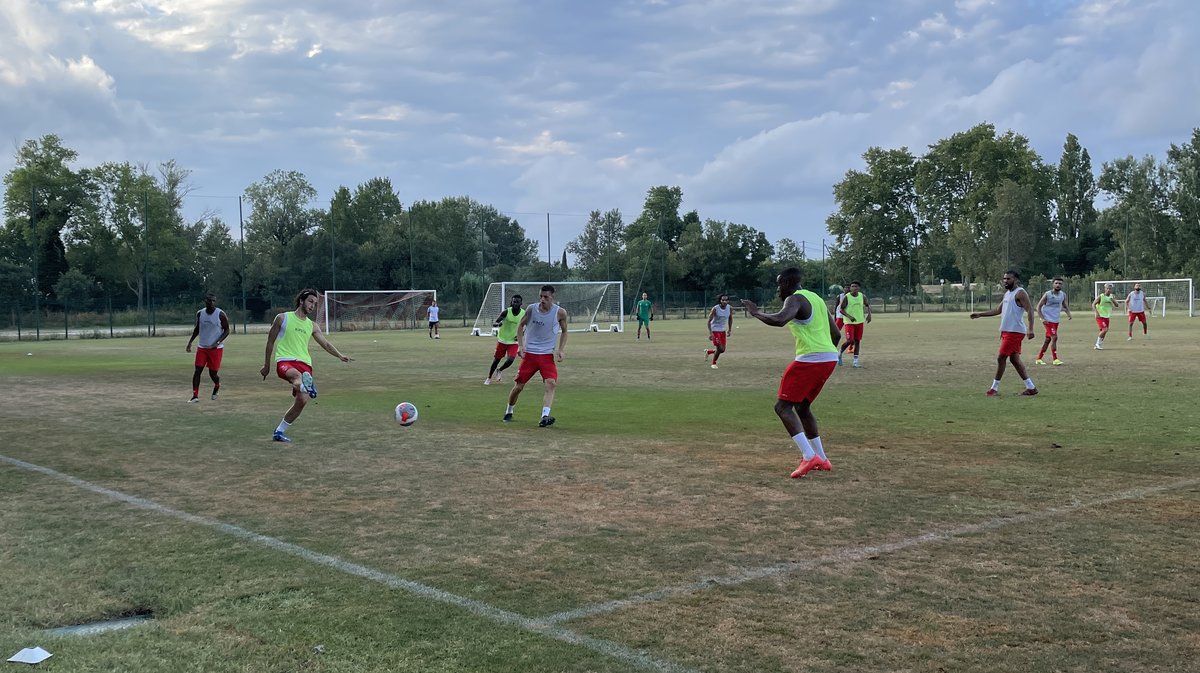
659 473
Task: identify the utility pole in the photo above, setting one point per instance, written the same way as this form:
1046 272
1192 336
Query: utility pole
242 237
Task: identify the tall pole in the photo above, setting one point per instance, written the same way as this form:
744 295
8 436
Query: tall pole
332 251
37 252
242 238
548 240
662 266
146 261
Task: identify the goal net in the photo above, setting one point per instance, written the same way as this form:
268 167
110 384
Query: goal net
591 306
1161 294
355 310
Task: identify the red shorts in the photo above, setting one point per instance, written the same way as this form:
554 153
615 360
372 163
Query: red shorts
1140 315
1051 329
838 323
803 381
718 338
534 363
282 366
505 350
1102 323
1010 343
854 331
211 357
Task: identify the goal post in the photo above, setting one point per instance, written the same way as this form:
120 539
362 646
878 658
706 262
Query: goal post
592 306
1177 294
357 310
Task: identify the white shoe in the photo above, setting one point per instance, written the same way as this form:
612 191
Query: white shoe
713 366
487 381
497 377
437 336
1129 338
1098 347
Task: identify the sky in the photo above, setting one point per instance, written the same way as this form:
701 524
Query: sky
754 108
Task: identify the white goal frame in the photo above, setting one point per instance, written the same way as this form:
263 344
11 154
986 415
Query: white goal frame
608 306
326 295
1156 303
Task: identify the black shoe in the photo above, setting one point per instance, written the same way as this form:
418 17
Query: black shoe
508 417
546 422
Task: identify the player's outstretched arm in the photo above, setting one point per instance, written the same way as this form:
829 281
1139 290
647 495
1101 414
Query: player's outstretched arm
272 334
319 336
795 307
986 314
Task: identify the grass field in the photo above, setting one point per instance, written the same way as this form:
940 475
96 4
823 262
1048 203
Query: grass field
653 528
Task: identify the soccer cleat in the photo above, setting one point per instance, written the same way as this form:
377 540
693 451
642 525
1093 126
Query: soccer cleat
487 381
1129 338
805 467
1098 347
713 365
498 377
546 422
1039 361
193 400
214 397
437 336
992 392
856 365
707 354
307 385
1057 362
1029 392
823 465
508 417
280 437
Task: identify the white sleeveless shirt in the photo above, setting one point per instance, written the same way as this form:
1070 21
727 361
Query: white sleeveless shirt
210 328
1012 316
1052 309
1137 302
541 330
720 321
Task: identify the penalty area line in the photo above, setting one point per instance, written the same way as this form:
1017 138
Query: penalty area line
537 626
852 554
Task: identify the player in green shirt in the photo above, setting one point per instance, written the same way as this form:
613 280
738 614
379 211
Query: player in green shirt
1103 307
644 315
287 341
506 338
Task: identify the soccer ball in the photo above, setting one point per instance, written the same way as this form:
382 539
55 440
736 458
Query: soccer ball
406 413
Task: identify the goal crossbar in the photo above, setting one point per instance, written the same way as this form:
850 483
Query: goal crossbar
592 306
373 309
1161 293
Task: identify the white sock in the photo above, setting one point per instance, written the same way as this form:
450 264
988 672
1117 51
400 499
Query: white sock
806 449
995 384
1029 384
545 411
856 357
820 450
509 409
283 425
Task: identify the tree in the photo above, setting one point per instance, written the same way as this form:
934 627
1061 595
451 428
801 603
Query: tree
660 217
876 223
74 287
42 196
1018 230
599 247
957 183
1183 165
1140 218
279 208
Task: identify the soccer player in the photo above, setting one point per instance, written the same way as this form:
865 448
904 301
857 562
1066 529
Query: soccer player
287 341
536 335
1050 308
853 306
720 322
838 318
644 312
1103 306
506 338
806 316
1135 306
1013 310
212 326
433 320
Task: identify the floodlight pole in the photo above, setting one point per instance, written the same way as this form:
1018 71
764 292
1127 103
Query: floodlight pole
37 285
242 246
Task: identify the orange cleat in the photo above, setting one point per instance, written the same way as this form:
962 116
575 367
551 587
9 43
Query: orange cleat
823 465
805 467
992 392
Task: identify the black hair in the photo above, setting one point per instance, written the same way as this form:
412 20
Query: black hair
548 288
305 294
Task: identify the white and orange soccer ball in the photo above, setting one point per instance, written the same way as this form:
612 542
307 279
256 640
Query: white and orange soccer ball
406 413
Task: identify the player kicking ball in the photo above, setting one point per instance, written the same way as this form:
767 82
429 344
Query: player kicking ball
544 323
287 341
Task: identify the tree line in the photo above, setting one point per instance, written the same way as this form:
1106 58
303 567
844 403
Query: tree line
973 205
980 202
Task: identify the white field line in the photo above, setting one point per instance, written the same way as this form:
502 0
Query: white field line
538 626
852 554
